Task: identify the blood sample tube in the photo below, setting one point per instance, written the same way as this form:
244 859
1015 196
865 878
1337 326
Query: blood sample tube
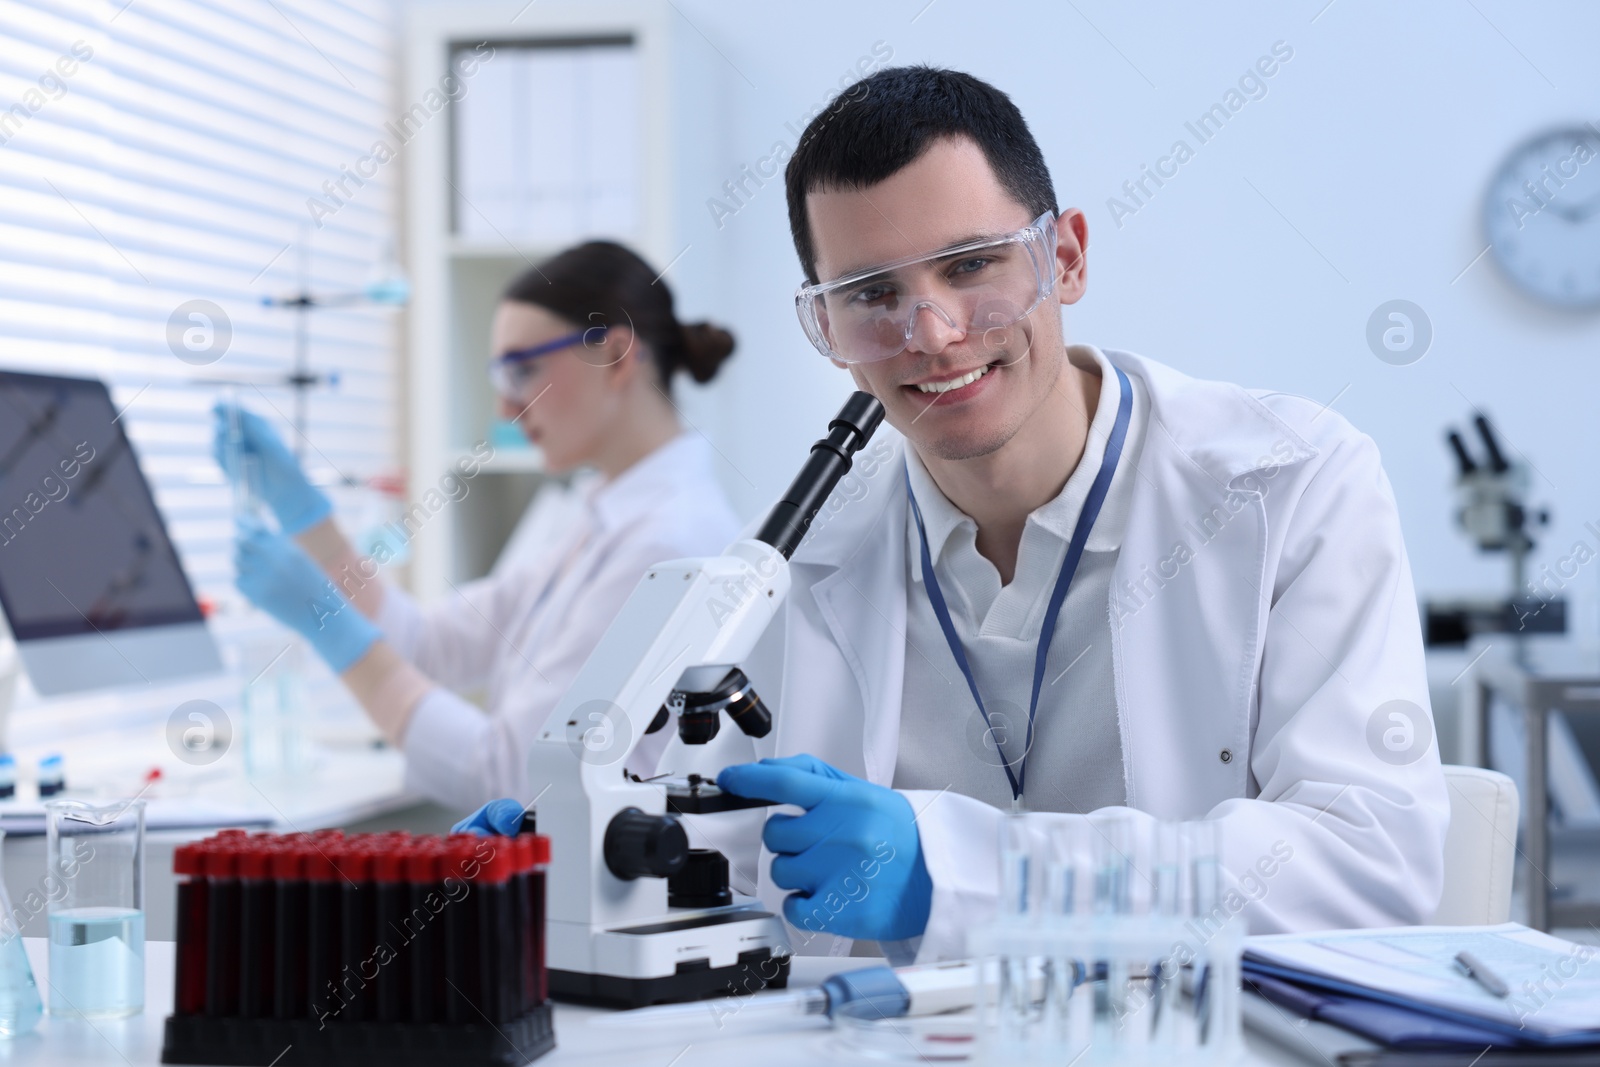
257 912
222 926
499 955
539 847
189 985
356 928
522 922
323 996
422 924
390 898
289 989
461 956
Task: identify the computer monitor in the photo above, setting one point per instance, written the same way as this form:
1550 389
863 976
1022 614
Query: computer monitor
89 581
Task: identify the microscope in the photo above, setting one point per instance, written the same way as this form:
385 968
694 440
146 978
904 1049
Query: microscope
634 916
1491 508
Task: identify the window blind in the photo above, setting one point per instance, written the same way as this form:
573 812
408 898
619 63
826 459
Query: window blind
157 154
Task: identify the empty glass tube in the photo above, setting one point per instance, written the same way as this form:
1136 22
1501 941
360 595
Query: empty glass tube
20 1007
1110 945
241 461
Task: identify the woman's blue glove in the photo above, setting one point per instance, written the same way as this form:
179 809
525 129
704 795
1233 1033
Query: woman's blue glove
277 576
854 858
503 817
276 476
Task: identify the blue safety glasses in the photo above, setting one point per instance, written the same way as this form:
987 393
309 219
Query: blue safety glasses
511 372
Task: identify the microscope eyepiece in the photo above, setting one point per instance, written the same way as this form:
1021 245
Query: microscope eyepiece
829 461
1464 460
1497 459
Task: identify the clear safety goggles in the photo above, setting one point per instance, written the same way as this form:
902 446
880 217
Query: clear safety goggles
511 373
980 286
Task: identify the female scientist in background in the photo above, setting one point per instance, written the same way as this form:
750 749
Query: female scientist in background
587 345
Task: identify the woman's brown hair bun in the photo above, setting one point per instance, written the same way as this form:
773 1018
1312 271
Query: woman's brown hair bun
704 348
602 283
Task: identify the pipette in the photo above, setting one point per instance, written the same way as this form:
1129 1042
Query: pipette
920 989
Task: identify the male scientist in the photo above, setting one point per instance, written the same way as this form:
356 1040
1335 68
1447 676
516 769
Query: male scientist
1065 579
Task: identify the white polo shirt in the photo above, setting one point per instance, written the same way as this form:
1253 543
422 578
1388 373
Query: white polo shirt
1075 763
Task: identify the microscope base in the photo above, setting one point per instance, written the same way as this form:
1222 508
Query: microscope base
722 952
756 970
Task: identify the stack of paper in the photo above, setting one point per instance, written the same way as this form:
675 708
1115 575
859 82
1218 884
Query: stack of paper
1402 987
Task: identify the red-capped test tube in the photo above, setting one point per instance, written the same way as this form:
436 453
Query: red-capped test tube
536 852
499 938
392 986
462 956
290 993
220 864
257 915
425 900
354 861
322 930
189 979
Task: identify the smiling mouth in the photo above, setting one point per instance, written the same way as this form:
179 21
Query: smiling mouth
954 383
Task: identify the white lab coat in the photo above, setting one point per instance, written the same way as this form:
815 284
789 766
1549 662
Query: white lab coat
1247 665
520 637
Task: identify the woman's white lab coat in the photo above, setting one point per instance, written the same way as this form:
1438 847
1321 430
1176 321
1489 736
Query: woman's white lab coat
1262 614
520 637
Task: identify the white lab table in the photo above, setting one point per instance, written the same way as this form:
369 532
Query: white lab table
136 1041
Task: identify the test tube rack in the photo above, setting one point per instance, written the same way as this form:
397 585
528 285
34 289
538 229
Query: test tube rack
306 950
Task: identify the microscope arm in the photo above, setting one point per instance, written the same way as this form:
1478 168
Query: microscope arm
686 624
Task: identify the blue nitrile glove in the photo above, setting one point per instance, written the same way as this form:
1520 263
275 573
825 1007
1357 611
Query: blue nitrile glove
276 476
277 576
854 858
503 817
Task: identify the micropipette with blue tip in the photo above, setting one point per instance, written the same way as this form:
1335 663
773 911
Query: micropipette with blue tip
893 992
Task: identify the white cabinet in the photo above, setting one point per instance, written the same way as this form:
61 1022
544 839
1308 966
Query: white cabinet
552 127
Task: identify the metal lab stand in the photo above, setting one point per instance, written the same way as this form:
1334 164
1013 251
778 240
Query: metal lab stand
1539 676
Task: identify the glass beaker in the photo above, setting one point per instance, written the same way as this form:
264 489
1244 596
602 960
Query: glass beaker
19 995
95 853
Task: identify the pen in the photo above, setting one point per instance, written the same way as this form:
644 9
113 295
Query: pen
1475 969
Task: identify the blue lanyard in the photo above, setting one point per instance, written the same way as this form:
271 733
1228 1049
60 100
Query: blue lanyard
1069 566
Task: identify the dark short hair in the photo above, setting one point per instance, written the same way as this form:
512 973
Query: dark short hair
886 120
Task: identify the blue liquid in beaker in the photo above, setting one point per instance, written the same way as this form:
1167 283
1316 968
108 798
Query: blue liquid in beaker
97 962
19 997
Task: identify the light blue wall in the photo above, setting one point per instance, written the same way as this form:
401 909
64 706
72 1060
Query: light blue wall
1356 179
1375 142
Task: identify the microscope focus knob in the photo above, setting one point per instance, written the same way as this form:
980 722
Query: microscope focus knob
703 882
640 845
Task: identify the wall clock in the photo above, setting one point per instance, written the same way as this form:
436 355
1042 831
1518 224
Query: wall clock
1541 217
